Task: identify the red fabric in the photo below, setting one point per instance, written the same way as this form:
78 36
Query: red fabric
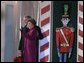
60 39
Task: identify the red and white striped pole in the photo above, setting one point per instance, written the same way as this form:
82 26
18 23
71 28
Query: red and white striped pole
45 24
80 32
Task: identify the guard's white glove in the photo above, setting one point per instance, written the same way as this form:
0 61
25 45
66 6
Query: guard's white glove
69 55
58 52
70 52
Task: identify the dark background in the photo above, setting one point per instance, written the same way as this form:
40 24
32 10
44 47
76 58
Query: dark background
57 14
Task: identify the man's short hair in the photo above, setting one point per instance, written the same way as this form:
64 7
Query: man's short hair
28 16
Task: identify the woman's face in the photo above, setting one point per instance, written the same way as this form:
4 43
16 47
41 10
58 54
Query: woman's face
30 25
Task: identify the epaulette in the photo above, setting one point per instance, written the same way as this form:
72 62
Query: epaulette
72 29
61 27
57 29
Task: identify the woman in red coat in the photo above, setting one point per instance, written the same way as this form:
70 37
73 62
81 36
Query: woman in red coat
30 50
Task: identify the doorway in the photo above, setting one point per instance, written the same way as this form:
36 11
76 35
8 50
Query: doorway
9 34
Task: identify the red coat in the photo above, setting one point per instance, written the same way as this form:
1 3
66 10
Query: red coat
60 41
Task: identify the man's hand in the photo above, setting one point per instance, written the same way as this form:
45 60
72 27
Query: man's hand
21 29
24 29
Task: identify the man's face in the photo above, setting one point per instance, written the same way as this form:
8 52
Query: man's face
25 19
